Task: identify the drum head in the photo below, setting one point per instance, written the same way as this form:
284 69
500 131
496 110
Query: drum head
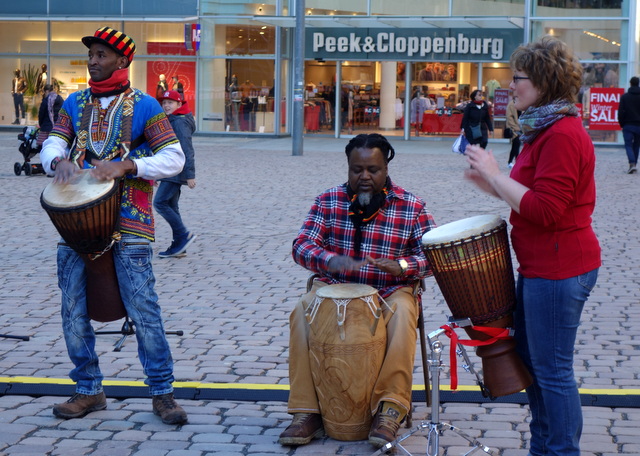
461 229
345 291
82 189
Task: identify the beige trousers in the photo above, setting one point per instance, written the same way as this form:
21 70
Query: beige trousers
396 375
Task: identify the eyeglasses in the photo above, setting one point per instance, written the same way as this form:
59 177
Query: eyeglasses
517 78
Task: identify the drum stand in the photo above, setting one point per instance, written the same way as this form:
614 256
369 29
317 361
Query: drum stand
128 329
435 428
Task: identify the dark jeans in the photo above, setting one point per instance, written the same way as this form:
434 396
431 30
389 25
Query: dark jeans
166 204
18 104
515 148
631 136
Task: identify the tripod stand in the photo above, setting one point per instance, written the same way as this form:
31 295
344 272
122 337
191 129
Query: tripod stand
128 329
435 428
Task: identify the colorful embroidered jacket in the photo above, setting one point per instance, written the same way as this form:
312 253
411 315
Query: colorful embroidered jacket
104 136
395 233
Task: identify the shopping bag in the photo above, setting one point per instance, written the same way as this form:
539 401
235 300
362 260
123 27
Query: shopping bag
460 144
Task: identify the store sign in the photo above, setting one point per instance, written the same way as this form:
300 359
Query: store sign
603 108
192 37
412 44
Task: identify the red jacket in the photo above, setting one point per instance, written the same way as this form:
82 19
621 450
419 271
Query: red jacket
552 235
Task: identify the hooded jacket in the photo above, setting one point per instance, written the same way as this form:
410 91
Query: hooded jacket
629 109
184 125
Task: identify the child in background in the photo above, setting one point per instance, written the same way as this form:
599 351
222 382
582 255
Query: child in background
168 193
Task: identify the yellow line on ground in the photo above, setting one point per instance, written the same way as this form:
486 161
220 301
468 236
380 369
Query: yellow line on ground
259 386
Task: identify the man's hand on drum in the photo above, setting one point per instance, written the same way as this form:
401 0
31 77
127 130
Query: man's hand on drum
344 263
64 170
386 265
106 170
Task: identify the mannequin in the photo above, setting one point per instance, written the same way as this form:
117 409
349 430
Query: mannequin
18 87
162 86
42 79
177 86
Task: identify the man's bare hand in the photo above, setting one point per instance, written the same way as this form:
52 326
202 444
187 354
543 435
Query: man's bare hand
106 170
345 263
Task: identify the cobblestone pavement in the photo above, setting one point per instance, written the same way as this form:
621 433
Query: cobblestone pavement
232 293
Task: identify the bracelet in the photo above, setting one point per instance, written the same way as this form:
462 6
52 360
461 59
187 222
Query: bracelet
54 163
135 167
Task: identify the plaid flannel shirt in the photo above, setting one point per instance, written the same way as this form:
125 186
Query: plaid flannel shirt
396 233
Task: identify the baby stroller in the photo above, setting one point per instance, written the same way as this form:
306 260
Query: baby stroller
28 148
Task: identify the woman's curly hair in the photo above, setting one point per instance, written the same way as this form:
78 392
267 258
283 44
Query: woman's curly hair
551 67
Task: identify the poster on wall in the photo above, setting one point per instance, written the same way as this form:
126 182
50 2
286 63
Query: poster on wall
436 71
603 108
168 70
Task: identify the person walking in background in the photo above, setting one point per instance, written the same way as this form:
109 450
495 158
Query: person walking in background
629 120
552 195
101 121
48 113
476 120
512 124
168 193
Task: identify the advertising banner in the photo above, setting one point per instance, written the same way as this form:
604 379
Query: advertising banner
603 108
500 102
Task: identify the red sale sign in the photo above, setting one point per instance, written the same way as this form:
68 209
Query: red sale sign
500 102
603 108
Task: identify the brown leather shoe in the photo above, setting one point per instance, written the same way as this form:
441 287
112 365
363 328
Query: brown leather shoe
384 428
79 405
303 429
166 407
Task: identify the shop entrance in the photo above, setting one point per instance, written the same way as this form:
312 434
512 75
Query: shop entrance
411 99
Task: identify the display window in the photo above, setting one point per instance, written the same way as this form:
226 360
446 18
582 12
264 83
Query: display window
597 8
23 38
24 78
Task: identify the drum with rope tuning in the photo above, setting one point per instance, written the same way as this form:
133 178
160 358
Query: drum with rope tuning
471 263
86 213
347 345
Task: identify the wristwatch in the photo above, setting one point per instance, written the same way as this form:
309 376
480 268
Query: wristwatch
403 266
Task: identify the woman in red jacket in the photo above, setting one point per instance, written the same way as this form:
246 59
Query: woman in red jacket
552 194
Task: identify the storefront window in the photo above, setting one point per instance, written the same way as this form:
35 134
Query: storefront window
487 7
158 38
66 36
249 39
213 7
23 37
409 8
590 40
593 8
336 8
27 105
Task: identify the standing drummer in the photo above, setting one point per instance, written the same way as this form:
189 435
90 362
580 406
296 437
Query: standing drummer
365 231
107 120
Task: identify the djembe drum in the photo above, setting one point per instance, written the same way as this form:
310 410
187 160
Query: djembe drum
471 263
347 345
86 213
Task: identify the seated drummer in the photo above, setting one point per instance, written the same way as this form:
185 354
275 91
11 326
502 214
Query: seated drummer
366 231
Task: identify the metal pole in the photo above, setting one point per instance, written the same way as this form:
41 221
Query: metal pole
298 80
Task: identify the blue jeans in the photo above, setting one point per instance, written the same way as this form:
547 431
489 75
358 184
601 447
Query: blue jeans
132 257
546 322
631 136
166 204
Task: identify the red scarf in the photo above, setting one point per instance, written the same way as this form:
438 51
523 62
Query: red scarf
184 109
116 84
478 102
